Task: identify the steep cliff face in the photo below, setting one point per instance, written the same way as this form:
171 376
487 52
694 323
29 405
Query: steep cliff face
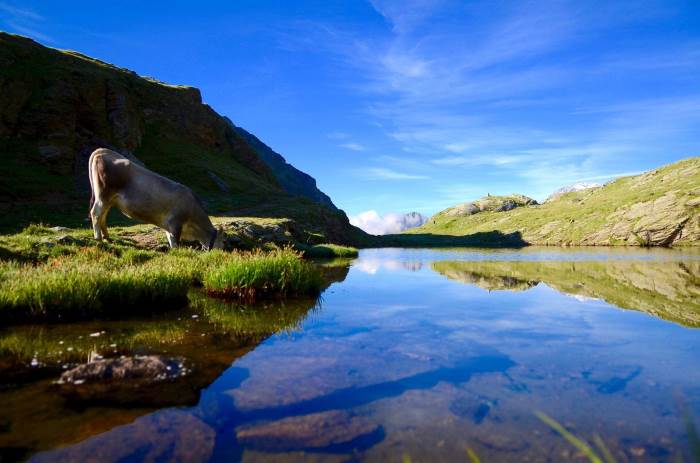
290 178
57 106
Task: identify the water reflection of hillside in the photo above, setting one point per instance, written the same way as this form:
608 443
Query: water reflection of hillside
210 335
669 290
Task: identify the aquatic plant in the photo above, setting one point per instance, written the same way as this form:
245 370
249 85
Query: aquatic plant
254 275
601 454
330 250
581 445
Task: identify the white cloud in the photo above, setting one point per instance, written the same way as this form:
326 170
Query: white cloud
375 224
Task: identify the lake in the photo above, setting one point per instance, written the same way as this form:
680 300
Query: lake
409 355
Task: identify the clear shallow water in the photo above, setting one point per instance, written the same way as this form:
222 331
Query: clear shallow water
410 352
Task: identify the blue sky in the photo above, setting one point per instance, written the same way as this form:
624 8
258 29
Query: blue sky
408 105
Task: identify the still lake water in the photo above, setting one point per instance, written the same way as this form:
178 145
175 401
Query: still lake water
418 353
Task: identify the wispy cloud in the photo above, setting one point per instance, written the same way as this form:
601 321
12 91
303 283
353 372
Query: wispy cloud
20 13
337 135
529 95
24 21
381 173
352 146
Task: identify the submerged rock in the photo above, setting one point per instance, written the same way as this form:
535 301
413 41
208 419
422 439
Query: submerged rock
168 435
149 380
317 430
143 368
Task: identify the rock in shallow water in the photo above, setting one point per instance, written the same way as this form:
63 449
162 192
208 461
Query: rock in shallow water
316 430
143 368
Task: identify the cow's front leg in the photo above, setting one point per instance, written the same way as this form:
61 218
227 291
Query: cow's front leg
173 236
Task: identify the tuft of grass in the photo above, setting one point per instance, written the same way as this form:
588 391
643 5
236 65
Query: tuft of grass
254 275
330 251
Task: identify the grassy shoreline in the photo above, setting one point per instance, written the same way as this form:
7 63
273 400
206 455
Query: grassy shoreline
58 274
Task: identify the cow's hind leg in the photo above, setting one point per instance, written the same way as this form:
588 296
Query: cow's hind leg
96 214
103 221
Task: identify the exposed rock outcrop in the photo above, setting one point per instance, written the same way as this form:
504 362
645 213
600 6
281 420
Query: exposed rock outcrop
490 204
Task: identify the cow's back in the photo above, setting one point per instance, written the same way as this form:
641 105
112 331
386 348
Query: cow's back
138 192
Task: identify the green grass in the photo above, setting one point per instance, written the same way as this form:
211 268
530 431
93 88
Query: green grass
250 276
47 275
330 251
91 283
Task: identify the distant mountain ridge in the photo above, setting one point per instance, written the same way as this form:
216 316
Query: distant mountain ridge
658 208
571 189
375 224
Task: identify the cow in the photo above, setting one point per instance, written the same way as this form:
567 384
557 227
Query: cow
143 195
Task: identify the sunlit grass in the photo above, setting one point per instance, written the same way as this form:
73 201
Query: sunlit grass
254 275
330 251
112 281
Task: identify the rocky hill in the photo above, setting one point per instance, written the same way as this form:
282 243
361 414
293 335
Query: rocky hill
657 208
490 204
57 106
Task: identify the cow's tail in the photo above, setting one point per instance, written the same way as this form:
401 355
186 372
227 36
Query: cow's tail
92 187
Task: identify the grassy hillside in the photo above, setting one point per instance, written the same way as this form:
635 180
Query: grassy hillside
57 106
669 290
660 207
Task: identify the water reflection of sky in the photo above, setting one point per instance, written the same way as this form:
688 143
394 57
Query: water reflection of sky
438 365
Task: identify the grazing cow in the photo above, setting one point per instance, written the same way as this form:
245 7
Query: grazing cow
146 196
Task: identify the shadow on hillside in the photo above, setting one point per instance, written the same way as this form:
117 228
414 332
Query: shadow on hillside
492 239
